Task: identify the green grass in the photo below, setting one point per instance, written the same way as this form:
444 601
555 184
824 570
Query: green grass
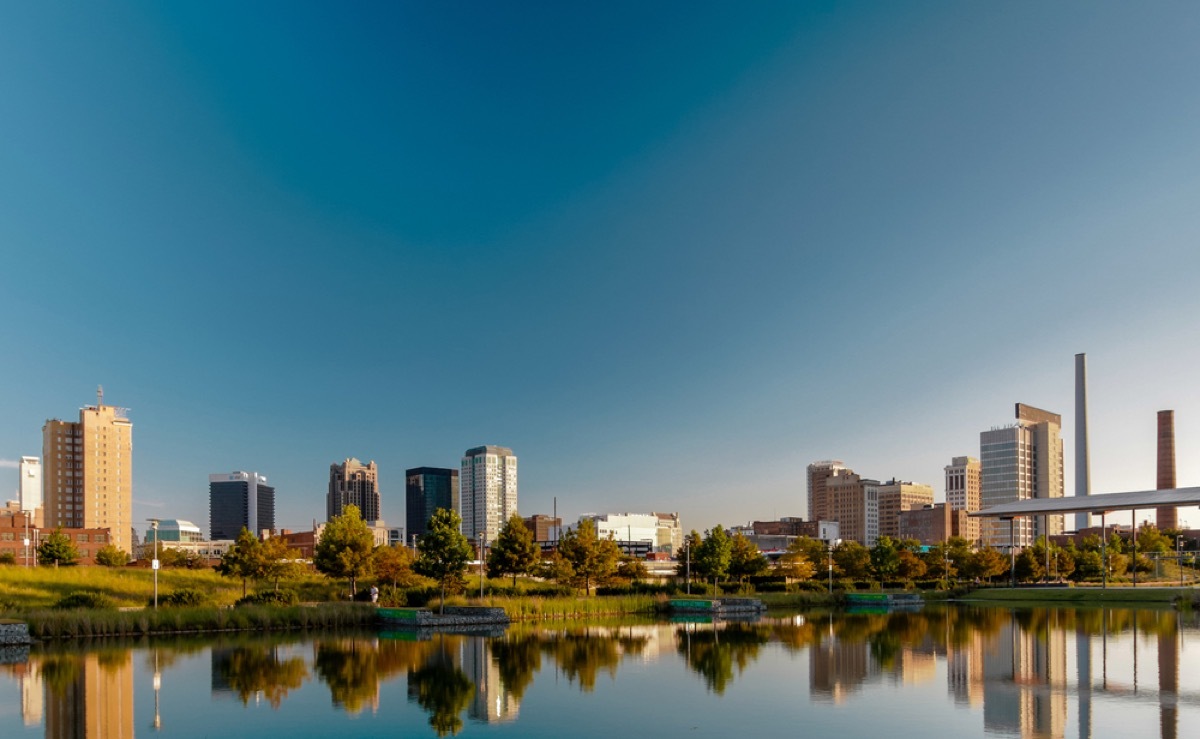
531 608
22 589
1013 596
85 623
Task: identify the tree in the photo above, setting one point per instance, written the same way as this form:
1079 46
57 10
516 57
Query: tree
885 558
514 551
110 555
395 565
686 556
853 559
443 553
910 566
345 548
279 561
57 549
1030 567
796 562
744 558
714 554
8 558
593 559
633 569
985 564
244 559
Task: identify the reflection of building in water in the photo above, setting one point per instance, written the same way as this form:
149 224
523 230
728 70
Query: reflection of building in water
32 692
90 696
837 669
492 703
1025 684
1168 675
964 670
915 666
220 668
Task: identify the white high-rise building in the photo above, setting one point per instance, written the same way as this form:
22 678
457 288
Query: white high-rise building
487 490
30 470
1020 462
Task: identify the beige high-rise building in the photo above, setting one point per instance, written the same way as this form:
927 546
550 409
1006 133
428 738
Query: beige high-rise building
895 497
963 492
1020 462
354 483
818 473
854 503
87 470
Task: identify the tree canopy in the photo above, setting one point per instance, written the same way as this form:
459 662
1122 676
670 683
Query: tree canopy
443 553
514 552
110 555
592 559
744 558
57 549
713 555
242 560
345 547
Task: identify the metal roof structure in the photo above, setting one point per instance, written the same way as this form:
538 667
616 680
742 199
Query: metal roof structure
1177 497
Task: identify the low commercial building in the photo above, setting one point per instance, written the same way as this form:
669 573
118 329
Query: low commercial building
639 534
17 525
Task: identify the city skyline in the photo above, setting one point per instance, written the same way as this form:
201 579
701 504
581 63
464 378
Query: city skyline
670 255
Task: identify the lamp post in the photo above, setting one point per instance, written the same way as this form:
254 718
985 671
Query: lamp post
832 543
1179 557
154 562
26 540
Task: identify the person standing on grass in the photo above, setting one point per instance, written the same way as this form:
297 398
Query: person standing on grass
374 594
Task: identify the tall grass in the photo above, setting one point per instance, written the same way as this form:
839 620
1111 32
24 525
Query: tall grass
528 608
79 623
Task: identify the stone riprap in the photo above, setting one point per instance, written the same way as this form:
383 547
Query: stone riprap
454 617
14 633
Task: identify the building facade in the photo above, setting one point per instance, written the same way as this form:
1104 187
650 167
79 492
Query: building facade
896 497
853 502
487 490
963 476
545 529
1020 462
640 533
29 489
17 525
87 469
427 489
239 499
818 473
353 483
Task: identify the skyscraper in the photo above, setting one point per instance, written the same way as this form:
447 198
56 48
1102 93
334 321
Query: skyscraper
353 483
895 497
1020 462
30 490
427 489
963 492
239 499
853 502
487 490
818 473
88 472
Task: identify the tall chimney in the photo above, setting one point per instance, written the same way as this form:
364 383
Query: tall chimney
1083 483
1168 516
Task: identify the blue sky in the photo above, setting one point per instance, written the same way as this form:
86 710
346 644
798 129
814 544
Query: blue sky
668 254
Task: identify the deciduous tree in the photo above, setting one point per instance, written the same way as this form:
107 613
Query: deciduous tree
345 548
443 553
110 555
57 549
744 558
853 559
592 558
243 560
279 561
514 552
395 565
714 553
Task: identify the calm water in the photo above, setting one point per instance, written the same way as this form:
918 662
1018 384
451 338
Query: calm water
958 672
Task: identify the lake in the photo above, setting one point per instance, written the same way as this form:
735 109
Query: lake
945 671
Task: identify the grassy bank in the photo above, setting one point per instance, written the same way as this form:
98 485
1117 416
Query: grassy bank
1078 596
24 589
82 623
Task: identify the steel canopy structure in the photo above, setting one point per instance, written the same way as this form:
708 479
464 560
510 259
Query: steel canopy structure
1094 503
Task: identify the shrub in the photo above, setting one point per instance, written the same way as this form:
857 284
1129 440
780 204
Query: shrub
184 597
8 558
85 599
270 598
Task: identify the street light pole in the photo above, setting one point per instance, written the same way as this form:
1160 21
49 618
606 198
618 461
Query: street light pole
154 562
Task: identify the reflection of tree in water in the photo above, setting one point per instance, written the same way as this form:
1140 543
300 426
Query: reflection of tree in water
349 668
252 670
60 672
714 653
581 655
517 658
442 689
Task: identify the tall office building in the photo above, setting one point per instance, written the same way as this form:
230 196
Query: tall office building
853 502
353 483
896 497
963 492
487 490
87 472
1020 462
237 500
30 490
427 489
818 473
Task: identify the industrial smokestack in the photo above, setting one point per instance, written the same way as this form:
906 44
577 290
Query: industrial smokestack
1083 483
1168 516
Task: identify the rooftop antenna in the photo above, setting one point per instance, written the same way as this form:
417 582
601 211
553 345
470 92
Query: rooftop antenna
99 395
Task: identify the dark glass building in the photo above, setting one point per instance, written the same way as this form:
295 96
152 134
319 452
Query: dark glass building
236 500
426 490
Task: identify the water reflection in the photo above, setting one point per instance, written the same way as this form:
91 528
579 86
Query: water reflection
1036 673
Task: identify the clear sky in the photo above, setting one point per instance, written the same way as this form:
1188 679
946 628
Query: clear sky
670 253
